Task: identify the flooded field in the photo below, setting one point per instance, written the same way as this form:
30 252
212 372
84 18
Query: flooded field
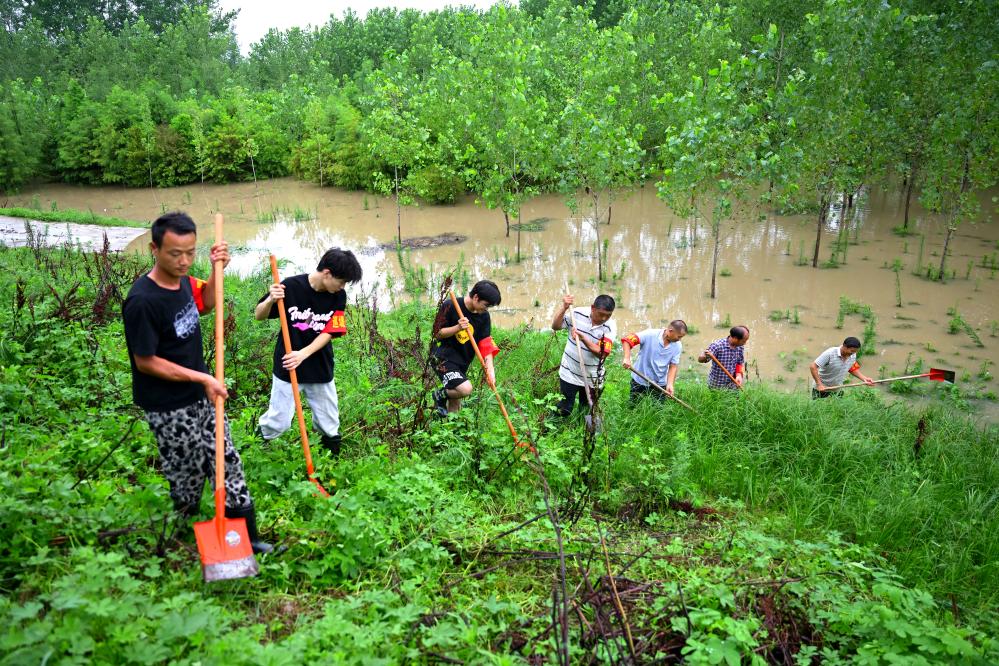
658 266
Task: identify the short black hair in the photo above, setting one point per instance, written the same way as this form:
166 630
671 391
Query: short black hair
487 291
604 302
852 343
679 325
341 264
177 222
739 332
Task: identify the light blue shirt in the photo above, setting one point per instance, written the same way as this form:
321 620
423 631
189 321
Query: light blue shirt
654 358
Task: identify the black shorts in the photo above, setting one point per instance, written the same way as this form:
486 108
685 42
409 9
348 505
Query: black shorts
452 375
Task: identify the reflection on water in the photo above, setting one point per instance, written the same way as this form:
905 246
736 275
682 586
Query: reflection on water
660 268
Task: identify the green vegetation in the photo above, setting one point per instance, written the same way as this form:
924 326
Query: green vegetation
838 515
957 324
75 216
809 106
866 313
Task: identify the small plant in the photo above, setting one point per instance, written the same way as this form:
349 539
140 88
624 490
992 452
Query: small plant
983 371
994 328
967 274
866 313
802 260
724 272
726 322
54 206
958 324
918 268
365 203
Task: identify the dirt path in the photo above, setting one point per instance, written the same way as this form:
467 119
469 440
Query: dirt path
90 236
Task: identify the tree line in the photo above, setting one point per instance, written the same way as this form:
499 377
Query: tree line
713 101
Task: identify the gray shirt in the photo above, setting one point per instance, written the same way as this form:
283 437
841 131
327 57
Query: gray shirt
654 357
833 368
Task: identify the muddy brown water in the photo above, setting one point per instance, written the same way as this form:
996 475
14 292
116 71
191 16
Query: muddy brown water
659 269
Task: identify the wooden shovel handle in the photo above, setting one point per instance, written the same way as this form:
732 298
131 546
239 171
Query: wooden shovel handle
293 376
724 369
664 391
876 381
219 270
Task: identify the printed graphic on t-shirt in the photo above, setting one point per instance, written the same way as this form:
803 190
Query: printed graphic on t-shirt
306 319
463 334
186 321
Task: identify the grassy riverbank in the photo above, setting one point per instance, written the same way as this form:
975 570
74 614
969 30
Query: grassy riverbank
73 216
764 527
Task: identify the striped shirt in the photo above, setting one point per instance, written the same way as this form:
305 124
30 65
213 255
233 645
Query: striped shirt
729 357
569 370
833 367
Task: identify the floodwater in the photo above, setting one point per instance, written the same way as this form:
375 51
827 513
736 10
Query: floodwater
659 269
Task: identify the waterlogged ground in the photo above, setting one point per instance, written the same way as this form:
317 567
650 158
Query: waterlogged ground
659 266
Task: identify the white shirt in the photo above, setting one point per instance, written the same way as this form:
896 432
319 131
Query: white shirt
569 370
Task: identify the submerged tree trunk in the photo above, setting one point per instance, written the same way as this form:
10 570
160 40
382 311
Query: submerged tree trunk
951 228
823 210
716 229
398 210
908 198
519 227
609 207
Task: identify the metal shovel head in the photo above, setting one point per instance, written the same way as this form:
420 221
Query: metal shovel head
230 558
938 375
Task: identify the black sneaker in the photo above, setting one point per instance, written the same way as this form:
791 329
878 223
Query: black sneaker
440 402
332 444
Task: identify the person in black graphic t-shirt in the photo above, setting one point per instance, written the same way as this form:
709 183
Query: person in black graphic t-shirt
169 378
315 303
454 353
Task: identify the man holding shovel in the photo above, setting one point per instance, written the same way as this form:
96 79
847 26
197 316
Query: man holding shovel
595 332
315 304
728 359
170 380
453 352
832 366
658 360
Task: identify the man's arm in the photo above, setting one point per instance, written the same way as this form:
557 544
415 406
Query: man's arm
627 342
293 359
855 371
219 252
559 321
157 366
263 310
671 377
814 370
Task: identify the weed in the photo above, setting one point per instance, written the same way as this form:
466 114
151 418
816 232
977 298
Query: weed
983 371
866 313
726 322
957 324
725 272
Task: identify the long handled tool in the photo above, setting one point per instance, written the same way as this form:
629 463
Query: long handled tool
286 336
724 369
223 543
490 381
592 422
664 391
935 375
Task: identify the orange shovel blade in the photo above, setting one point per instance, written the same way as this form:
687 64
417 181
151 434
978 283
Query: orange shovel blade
938 375
230 558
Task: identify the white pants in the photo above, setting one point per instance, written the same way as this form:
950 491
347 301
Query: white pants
322 400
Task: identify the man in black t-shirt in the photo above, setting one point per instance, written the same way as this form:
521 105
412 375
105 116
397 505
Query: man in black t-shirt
454 353
169 378
315 303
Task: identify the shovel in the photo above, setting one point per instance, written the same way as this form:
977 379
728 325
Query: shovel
724 369
664 391
223 543
492 383
309 469
935 375
593 423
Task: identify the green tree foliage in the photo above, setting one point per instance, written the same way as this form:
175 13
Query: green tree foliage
24 132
